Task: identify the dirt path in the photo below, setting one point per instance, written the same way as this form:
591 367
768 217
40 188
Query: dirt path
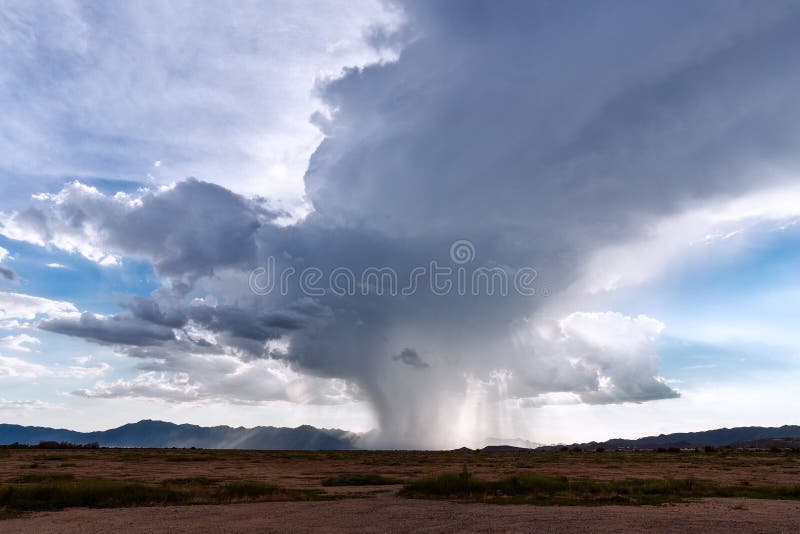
389 513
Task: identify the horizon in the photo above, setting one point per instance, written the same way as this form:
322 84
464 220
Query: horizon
429 222
517 443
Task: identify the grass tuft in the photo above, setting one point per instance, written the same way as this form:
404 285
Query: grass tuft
359 479
189 481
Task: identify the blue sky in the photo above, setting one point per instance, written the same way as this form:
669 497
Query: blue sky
153 155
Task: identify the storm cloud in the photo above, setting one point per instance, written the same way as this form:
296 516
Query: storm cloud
540 139
410 357
117 329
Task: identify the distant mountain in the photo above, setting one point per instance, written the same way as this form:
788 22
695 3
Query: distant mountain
716 438
519 443
159 434
504 448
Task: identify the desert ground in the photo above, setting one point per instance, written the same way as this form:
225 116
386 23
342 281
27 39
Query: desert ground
373 491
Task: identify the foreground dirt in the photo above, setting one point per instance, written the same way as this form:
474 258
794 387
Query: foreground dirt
379 509
388 513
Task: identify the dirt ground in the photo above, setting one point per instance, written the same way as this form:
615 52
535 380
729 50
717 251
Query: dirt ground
388 513
297 469
379 509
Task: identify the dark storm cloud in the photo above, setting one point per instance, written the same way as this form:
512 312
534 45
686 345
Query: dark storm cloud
186 231
245 323
529 116
118 329
410 357
149 310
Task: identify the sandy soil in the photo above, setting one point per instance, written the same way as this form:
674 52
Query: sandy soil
389 513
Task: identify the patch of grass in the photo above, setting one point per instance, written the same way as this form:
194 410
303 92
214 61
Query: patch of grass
359 479
255 490
189 481
247 489
42 477
98 493
533 488
36 492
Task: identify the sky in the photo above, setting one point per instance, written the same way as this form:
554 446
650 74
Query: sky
442 223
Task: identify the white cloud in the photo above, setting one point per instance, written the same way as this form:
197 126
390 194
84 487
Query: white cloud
28 307
56 266
759 400
6 272
18 368
21 407
18 342
597 357
612 331
690 233
82 371
12 367
219 92
215 378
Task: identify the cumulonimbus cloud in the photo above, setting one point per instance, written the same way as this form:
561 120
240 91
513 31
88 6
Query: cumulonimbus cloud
504 135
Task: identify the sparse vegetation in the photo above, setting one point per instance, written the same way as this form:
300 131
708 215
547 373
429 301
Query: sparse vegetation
51 445
359 479
247 489
54 491
134 477
32 478
540 489
57 493
189 481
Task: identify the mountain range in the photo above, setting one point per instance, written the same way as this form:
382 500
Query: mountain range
160 434
721 437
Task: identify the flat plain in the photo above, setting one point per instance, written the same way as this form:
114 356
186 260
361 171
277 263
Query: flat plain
170 490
